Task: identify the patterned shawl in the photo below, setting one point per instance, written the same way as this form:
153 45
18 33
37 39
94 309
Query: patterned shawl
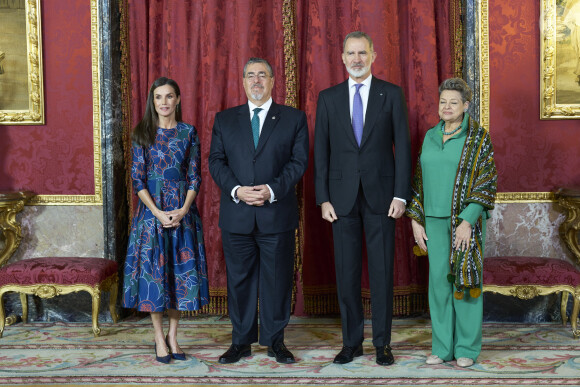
475 182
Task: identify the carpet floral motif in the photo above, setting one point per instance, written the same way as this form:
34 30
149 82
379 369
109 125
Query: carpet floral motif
513 354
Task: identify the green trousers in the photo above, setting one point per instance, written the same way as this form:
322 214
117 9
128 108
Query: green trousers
456 324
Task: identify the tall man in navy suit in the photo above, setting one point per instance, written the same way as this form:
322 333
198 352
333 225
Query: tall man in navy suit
259 151
362 185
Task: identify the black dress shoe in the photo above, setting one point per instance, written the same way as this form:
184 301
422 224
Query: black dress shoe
347 353
235 353
282 354
384 355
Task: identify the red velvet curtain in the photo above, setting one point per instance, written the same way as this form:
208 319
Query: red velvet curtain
203 45
412 41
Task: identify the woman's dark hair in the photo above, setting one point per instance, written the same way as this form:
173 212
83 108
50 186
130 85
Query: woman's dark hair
145 131
459 85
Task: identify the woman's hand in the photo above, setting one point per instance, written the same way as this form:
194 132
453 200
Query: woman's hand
175 216
168 219
163 217
419 234
462 236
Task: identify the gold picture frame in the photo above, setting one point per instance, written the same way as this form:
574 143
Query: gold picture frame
560 59
21 74
97 198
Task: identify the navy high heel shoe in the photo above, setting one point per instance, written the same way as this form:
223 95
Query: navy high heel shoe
176 356
162 359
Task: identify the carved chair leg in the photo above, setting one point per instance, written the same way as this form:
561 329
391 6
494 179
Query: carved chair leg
574 316
24 303
96 297
113 291
563 307
2 316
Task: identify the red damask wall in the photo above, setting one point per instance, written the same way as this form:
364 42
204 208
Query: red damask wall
532 155
57 158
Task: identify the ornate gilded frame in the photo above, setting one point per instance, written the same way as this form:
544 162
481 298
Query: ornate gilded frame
550 31
97 198
484 111
34 115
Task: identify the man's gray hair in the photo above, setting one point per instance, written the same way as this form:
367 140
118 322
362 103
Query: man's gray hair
251 61
357 35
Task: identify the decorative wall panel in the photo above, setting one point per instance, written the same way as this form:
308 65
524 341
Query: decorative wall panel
532 156
60 161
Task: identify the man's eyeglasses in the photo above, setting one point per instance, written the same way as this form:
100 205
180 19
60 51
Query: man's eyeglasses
252 77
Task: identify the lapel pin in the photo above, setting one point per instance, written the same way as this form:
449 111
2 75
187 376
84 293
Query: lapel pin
381 94
273 117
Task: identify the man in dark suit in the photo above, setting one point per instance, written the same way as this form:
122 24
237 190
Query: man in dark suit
259 152
362 184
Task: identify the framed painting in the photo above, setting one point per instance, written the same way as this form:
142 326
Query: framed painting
560 59
21 82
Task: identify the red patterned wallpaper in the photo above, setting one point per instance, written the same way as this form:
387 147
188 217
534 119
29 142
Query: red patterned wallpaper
57 158
531 155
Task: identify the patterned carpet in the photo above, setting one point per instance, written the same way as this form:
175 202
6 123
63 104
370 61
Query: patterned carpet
68 354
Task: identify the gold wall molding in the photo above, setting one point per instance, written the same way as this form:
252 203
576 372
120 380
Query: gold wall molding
34 115
525 197
483 32
97 198
484 110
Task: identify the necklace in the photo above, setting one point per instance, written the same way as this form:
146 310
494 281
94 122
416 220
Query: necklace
449 133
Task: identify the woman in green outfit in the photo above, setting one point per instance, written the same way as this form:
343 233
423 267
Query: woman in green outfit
453 189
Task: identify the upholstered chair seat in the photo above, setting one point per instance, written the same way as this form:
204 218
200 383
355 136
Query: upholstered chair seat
51 276
528 277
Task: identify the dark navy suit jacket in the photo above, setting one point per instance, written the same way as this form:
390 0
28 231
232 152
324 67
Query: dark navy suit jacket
382 163
279 160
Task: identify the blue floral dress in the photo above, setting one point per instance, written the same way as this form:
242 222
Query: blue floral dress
166 267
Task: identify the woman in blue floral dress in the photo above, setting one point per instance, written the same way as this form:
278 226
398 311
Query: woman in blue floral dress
166 265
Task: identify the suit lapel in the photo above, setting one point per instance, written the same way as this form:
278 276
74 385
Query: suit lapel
245 125
374 105
272 119
343 111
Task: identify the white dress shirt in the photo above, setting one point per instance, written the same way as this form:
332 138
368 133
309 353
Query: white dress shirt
364 94
262 114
